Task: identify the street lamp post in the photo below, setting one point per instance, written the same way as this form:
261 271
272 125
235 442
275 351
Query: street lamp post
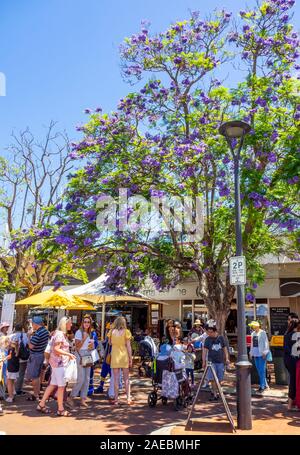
233 131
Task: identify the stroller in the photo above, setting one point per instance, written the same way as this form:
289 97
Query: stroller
148 352
170 380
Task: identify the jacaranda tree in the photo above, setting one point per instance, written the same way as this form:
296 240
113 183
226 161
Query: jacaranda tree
163 141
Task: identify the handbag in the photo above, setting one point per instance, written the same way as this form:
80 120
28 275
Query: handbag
86 361
269 357
71 372
108 359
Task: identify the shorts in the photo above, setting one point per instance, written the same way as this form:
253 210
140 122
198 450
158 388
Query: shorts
58 377
34 365
12 375
219 369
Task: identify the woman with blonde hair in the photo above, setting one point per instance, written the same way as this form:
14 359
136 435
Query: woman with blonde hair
121 356
59 359
84 344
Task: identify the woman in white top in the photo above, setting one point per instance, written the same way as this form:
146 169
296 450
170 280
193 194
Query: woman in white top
259 351
84 344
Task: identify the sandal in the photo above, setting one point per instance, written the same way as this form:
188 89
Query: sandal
114 403
63 413
31 398
43 409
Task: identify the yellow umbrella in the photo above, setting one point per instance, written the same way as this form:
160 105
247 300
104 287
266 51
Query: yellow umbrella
55 299
63 305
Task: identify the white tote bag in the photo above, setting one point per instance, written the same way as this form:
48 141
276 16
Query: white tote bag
71 372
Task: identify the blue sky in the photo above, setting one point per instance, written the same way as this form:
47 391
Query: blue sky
61 56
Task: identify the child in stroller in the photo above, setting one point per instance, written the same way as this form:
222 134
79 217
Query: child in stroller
148 351
169 376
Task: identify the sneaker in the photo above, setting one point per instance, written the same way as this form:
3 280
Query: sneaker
21 393
260 390
1 411
214 398
9 400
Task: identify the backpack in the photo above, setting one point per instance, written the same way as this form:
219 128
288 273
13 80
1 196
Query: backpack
24 351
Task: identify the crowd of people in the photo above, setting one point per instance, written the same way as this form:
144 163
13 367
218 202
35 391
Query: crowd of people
35 355
30 354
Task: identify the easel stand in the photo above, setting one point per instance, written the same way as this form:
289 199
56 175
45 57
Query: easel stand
209 365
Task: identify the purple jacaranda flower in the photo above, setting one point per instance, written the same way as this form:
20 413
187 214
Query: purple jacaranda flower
87 111
57 285
69 206
224 191
249 297
87 241
26 243
13 245
272 158
254 285
269 222
90 214
274 135
157 193
266 180
68 227
226 159
260 101
257 204
177 60
64 240
45 232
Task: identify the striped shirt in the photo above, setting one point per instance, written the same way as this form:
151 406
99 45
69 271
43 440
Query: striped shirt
39 340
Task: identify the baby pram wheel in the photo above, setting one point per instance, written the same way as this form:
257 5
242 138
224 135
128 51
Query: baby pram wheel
152 399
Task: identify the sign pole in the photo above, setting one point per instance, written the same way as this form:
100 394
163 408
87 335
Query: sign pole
243 379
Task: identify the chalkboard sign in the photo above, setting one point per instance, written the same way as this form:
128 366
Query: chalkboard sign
278 316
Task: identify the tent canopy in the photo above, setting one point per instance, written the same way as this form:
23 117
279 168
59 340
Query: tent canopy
97 293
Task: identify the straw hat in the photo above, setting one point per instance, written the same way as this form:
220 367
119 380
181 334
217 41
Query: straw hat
197 322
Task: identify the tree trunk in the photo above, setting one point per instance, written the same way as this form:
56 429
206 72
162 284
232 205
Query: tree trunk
217 298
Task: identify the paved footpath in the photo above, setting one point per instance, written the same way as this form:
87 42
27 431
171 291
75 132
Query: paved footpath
100 418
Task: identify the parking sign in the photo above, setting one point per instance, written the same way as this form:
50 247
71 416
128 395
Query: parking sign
237 270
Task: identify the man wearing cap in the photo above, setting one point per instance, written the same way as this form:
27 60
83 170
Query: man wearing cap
37 343
259 351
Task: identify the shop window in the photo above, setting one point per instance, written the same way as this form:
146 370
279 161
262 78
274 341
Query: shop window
200 310
187 315
259 310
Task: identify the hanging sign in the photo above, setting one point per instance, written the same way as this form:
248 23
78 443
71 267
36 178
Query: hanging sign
237 270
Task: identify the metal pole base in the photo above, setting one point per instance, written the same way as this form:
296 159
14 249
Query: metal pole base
243 393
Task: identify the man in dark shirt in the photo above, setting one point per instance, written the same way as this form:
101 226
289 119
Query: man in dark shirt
37 344
216 352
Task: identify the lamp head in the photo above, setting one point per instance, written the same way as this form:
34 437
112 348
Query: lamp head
234 129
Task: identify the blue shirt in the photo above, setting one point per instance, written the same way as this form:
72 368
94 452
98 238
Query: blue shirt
39 340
